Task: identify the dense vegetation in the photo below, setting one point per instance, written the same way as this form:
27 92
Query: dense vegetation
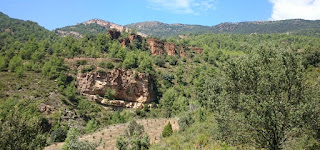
85 29
243 92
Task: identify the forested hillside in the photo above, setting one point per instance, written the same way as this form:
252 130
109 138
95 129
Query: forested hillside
159 29
227 91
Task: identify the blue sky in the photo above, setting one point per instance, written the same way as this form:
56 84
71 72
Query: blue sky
59 13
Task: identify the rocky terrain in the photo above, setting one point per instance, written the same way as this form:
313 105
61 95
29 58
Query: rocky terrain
132 89
106 24
109 134
159 48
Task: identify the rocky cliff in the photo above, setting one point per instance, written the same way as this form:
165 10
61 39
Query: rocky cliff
159 48
106 24
132 89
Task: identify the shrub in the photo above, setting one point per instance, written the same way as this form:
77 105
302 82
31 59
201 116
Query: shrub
185 121
130 61
58 135
110 93
72 142
167 130
101 71
134 138
15 62
88 69
81 62
173 60
19 71
71 91
159 62
3 63
109 65
91 126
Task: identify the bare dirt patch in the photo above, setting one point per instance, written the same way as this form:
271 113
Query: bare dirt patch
109 134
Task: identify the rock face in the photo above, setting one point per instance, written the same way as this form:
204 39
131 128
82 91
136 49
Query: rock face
159 48
106 24
132 89
156 47
133 37
170 48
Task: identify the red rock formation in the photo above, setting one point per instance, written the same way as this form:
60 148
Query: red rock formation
124 42
156 47
135 37
170 48
133 88
114 34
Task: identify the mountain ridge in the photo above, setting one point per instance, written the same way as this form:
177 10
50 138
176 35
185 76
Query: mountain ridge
161 29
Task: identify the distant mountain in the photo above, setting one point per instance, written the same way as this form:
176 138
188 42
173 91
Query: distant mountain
93 26
294 26
20 29
160 29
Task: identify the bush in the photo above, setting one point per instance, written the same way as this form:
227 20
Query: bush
109 65
88 69
130 61
3 63
19 71
134 138
173 60
110 93
81 62
167 130
14 63
159 62
72 142
71 91
58 135
54 67
91 126
185 121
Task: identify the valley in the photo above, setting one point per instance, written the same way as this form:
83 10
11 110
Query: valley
153 85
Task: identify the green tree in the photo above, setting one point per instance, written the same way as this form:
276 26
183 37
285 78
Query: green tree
167 130
20 125
167 101
3 63
72 142
134 138
15 62
266 91
91 126
131 61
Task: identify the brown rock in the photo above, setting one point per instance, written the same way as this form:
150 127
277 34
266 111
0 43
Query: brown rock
156 46
130 86
46 108
170 48
133 37
124 42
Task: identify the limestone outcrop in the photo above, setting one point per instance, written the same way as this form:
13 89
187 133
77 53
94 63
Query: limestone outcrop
159 48
132 89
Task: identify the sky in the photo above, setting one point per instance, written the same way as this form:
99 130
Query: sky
53 14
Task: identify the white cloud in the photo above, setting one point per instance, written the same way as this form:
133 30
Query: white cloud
182 6
295 9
